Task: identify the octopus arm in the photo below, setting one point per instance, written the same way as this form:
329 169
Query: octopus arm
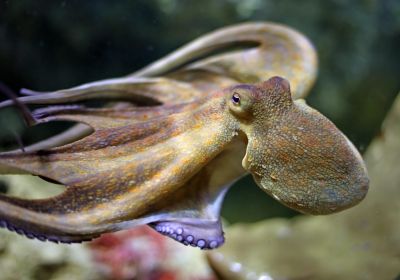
140 91
118 176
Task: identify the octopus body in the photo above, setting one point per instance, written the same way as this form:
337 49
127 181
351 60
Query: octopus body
178 134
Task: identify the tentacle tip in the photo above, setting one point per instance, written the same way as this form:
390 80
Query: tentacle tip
48 111
18 139
25 91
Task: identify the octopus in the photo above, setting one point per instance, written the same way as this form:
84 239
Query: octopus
174 136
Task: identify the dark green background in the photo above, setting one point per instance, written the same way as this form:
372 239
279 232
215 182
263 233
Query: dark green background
48 45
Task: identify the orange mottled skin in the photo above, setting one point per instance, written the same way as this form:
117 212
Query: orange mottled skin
186 131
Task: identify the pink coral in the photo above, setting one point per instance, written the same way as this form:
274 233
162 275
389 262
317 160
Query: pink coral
142 253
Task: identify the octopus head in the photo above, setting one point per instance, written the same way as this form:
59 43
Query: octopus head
295 153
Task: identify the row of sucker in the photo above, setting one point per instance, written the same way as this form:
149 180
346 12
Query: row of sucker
186 238
31 235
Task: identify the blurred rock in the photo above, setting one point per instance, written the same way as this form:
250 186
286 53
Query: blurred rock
359 243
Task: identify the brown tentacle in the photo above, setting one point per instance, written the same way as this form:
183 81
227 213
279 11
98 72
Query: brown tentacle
102 118
143 91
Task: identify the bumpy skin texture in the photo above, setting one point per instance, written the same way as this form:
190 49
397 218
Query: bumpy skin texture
190 125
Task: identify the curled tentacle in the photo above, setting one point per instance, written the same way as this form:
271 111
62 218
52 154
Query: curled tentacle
262 50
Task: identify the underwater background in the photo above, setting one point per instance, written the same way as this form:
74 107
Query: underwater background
50 45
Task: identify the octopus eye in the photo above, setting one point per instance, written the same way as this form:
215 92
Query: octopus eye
236 98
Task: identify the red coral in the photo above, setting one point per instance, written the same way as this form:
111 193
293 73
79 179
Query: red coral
132 254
